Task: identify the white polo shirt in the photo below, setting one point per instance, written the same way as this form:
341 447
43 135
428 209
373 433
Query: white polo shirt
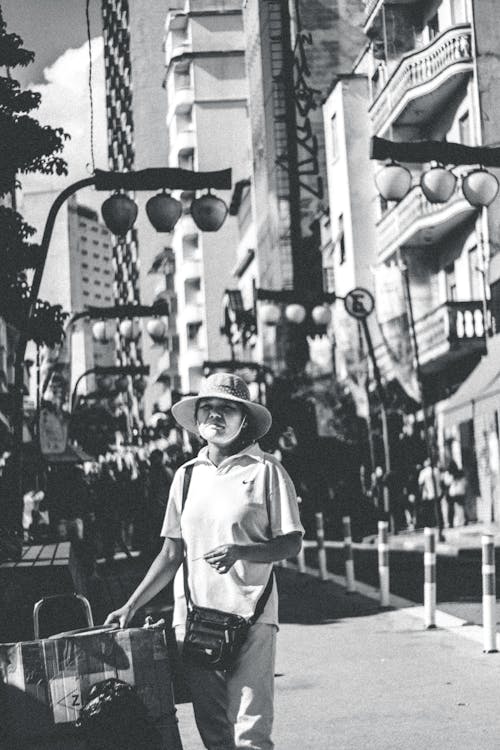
248 498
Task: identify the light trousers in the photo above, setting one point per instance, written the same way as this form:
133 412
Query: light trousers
234 710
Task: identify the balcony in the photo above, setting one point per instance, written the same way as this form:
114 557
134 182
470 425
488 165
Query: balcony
185 141
447 334
424 80
194 357
415 222
191 269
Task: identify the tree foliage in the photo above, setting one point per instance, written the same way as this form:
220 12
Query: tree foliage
26 146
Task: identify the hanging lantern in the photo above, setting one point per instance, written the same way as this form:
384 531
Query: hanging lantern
438 184
322 315
156 329
480 187
393 182
101 332
208 212
129 330
295 313
119 213
270 314
163 211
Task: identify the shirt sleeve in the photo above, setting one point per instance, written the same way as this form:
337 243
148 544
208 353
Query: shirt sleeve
283 505
172 522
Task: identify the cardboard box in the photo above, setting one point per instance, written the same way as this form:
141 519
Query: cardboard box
46 682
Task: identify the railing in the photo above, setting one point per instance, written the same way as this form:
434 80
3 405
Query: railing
448 326
450 48
395 226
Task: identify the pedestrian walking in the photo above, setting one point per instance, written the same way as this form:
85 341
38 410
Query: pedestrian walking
236 516
429 482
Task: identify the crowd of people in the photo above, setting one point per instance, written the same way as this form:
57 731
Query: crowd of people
426 495
114 503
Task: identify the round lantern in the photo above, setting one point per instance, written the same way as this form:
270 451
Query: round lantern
295 313
208 212
438 184
321 315
270 314
129 330
119 213
480 187
101 332
156 329
393 182
163 211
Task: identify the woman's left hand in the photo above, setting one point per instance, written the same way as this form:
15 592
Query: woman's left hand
222 558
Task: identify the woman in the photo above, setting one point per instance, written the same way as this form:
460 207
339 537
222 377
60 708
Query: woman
240 516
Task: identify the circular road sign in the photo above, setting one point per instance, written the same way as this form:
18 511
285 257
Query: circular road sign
359 303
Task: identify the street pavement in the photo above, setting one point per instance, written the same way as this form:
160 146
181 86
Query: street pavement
353 676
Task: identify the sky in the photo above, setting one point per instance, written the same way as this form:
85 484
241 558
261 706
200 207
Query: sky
55 30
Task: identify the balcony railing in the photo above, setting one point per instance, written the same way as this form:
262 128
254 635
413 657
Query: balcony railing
448 333
416 221
449 328
450 50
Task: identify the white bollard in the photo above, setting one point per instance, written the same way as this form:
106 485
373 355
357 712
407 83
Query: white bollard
301 560
350 582
320 536
383 562
430 578
489 594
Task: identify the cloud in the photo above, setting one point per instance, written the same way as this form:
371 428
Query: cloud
66 103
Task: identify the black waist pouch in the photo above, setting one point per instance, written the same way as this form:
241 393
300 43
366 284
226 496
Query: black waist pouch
213 638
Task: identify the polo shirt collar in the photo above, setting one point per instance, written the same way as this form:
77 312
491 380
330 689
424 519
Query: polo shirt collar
253 451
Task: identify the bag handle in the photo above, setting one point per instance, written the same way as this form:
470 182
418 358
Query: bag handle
262 600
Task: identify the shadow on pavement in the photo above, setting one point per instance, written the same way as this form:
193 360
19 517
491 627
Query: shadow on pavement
307 601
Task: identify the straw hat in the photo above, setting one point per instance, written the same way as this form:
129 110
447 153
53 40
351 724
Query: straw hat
230 387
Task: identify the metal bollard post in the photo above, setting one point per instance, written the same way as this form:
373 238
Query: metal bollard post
489 594
383 562
320 535
349 561
301 560
430 578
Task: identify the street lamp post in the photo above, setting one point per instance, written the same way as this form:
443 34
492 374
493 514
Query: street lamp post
105 370
208 211
359 304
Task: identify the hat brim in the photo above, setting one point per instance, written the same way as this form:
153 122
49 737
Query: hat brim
184 413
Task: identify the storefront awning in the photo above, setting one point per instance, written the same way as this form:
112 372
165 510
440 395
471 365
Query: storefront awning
460 407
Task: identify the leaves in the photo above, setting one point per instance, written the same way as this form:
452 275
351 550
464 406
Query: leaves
25 146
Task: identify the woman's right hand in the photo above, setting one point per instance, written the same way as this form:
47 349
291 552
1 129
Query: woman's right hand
122 616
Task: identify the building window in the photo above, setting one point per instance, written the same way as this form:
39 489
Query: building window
451 283
335 138
340 242
193 330
495 304
328 279
433 26
464 129
475 275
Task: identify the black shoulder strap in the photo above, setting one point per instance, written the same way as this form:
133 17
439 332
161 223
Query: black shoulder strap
188 473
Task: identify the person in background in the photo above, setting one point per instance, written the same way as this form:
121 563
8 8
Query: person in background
429 482
240 516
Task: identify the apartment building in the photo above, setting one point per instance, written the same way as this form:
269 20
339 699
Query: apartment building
424 75
207 129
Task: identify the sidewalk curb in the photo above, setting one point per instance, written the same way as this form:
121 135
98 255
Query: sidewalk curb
444 621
